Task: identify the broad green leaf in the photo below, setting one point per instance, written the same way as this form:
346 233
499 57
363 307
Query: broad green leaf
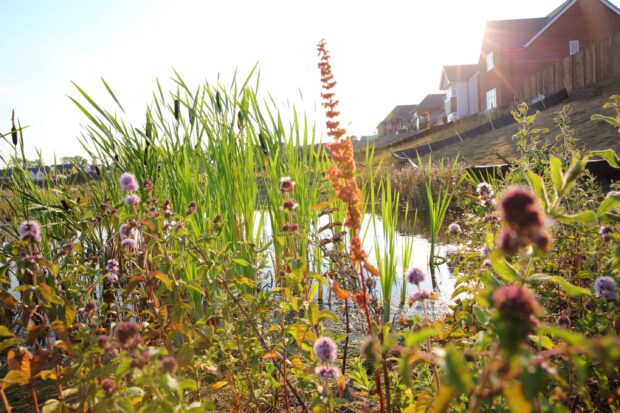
570 289
584 217
608 154
539 188
572 338
611 201
503 268
417 337
556 173
163 278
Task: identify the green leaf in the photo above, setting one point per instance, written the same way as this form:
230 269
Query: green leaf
556 173
241 261
584 217
503 268
574 339
15 377
539 187
420 336
163 278
609 155
5 332
455 369
313 314
611 201
517 402
570 289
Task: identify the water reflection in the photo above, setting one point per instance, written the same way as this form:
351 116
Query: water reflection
405 231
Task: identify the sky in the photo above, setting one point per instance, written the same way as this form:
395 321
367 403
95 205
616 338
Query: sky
384 53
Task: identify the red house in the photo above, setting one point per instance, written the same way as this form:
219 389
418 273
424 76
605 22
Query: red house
515 49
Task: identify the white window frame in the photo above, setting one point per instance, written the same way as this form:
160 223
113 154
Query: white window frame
490 63
491 99
573 47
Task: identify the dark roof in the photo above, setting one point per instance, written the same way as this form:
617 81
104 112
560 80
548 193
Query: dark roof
399 112
432 101
512 34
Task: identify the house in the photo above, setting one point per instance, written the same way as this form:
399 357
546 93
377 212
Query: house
399 120
460 82
430 111
515 49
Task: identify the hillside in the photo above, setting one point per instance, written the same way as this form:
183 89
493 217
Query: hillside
494 147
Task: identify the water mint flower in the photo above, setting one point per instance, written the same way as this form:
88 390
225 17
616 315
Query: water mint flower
605 287
129 182
454 228
286 185
29 231
129 243
327 373
415 276
325 349
131 199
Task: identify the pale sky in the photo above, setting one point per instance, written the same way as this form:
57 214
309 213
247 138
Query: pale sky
384 53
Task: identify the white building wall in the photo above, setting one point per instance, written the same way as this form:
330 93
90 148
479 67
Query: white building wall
472 86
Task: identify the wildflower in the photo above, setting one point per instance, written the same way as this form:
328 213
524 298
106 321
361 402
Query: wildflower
415 276
112 266
509 241
605 232
167 208
542 240
125 230
289 204
590 203
128 334
29 231
131 199
129 243
168 364
148 186
108 386
103 341
357 250
90 306
153 212
485 190
514 301
519 209
129 182
488 203
484 251
111 278
486 263
327 373
454 228
419 296
286 185
325 349
605 287
104 207
290 227
191 208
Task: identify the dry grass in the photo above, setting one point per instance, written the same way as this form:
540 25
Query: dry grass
496 146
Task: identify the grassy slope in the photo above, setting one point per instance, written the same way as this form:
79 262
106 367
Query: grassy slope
484 149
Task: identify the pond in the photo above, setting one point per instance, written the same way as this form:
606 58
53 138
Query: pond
406 231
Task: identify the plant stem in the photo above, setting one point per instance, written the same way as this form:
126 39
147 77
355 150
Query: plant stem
5 401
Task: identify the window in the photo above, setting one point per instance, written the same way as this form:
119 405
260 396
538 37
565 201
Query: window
573 47
491 99
489 61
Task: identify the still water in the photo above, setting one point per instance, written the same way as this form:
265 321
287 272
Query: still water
373 238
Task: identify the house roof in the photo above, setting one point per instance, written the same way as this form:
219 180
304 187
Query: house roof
455 73
399 112
432 101
519 33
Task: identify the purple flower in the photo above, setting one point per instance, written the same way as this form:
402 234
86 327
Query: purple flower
129 243
286 185
125 230
563 321
606 288
325 349
419 296
131 199
111 278
486 263
605 232
454 228
128 334
415 276
519 209
148 186
590 203
29 231
168 365
509 241
484 190
191 208
129 182
484 251
289 204
290 227
327 373
103 341
112 266
108 386
515 301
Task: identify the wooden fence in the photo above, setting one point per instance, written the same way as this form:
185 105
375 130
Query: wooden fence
591 65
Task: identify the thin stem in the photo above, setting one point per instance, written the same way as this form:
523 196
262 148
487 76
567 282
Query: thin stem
5 401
